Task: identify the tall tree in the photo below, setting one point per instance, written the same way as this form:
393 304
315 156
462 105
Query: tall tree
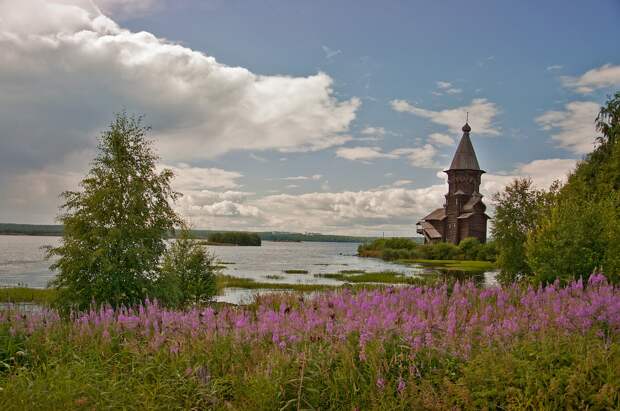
115 226
582 232
517 212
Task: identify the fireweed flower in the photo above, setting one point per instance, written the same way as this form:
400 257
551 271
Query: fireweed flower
418 317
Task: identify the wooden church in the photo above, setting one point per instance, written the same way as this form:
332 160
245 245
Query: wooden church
463 214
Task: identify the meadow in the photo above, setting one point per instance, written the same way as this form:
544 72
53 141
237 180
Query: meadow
407 347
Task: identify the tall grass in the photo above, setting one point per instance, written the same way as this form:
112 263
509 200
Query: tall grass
390 348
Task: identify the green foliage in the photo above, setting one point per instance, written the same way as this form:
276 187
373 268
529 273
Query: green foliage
27 295
391 249
469 248
555 372
295 271
188 274
115 227
227 281
441 251
518 209
386 277
581 232
237 238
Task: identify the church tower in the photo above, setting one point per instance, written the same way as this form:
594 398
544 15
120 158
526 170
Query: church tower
463 214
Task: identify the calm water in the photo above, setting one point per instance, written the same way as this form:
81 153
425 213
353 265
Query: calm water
22 262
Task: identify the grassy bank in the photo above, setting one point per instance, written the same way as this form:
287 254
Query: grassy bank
382 277
395 249
452 265
27 295
401 348
227 281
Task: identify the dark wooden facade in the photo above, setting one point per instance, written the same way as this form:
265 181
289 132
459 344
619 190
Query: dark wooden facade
463 214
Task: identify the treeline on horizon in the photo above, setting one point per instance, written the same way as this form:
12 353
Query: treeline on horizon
57 230
236 238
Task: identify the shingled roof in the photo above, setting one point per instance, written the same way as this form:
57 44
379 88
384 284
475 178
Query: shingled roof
465 156
438 214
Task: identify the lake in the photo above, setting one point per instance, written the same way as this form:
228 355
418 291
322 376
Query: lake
22 262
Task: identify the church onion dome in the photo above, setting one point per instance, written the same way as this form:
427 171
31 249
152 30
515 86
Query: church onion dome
466 128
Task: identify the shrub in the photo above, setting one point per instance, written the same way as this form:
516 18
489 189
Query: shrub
188 274
469 248
442 251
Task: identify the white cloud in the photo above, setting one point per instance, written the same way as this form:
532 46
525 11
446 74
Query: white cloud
362 153
441 139
419 156
391 207
373 133
187 178
542 172
63 59
359 212
446 87
229 209
65 68
482 114
370 133
574 126
606 76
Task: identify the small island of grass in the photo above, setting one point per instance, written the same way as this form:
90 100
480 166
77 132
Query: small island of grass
295 271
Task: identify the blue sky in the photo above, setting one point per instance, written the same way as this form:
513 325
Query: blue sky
260 140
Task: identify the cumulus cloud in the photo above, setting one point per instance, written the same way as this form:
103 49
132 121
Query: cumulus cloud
554 67
573 128
482 115
391 207
542 172
187 178
419 156
606 76
208 208
362 212
65 60
66 67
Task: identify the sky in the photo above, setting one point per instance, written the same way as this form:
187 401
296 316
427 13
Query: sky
308 116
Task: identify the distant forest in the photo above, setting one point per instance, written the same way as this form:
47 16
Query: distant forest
56 230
